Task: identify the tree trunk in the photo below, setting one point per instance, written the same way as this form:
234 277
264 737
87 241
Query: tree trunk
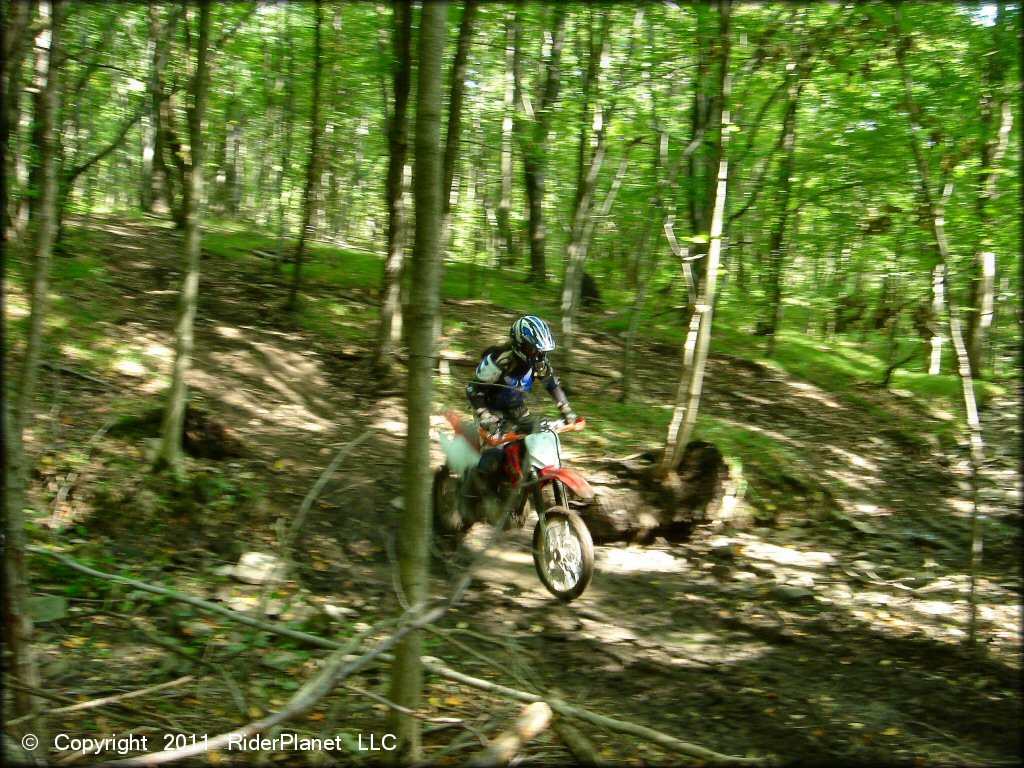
938 309
169 456
506 243
424 308
313 164
937 219
776 249
389 329
449 183
583 215
695 351
14 26
705 115
533 144
286 152
18 621
655 213
156 182
996 122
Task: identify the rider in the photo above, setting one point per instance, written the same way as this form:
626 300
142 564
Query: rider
504 377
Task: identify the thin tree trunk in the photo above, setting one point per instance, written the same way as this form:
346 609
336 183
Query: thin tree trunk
695 351
313 164
996 121
506 242
656 213
14 26
389 328
286 152
18 406
449 183
154 184
938 309
705 115
936 213
424 308
533 145
776 250
583 216
169 455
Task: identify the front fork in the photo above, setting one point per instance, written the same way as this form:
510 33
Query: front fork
537 496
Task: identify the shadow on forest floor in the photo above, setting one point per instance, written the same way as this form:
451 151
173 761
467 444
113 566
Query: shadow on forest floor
814 638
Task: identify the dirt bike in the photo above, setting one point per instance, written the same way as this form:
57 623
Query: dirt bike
563 551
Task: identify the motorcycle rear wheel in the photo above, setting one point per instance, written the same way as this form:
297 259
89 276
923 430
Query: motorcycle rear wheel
563 553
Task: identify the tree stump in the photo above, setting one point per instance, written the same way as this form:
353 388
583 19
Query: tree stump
633 505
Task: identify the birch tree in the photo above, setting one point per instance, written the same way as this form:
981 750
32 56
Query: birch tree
937 222
698 339
996 124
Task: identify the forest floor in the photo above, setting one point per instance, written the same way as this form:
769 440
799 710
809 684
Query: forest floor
831 632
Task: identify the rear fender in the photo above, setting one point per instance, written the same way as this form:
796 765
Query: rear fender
570 479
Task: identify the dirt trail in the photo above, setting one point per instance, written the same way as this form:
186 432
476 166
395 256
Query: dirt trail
813 638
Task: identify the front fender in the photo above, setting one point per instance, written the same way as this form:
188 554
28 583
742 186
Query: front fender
569 478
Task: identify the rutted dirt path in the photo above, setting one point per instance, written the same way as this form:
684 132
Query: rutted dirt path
818 638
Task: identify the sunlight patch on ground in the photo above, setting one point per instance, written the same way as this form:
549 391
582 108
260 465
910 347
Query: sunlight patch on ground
73 352
282 414
130 367
516 558
159 351
853 458
156 385
759 550
872 510
633 559
857 482
772 433
393 426
227 332
812 392
17 306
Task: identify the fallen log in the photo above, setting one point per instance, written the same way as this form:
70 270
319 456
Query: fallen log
531 722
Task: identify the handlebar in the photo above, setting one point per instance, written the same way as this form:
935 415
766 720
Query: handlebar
545 425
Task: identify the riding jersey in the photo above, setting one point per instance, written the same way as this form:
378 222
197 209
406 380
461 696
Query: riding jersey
503 380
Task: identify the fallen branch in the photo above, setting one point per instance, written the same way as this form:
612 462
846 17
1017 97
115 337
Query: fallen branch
318 486
399 708
663 740
75 372
434 665
241 618
336 668
577 743
118 697
533 720
56 697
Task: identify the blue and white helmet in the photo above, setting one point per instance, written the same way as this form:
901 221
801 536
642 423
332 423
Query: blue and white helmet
531 338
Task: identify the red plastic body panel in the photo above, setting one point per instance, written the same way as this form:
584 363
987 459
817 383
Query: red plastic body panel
574 481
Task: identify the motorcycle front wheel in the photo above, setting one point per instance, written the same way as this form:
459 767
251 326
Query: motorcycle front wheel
563 553
447 488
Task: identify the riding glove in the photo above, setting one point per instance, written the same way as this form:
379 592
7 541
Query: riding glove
568 415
